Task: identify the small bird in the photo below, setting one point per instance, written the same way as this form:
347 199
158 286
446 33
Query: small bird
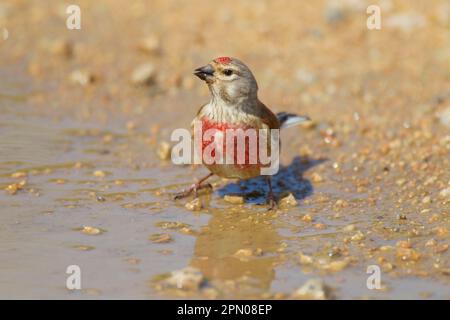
235 105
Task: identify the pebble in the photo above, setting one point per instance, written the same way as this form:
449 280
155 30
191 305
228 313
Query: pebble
426 200
444 193
407 254
313 289
164 151
315 177
288 201
81 77
144 74
233 199
305 259
160 238
404 244
194 205
61 48
335 266
171 225
189 279
19 174
12 189
441 248
91 230
358 236
99 173
444 116
349 228
150 44
245 254
320 226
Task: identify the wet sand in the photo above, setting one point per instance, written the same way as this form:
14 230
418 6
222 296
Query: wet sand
370 174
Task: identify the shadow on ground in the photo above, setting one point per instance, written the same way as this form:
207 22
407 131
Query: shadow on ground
288 179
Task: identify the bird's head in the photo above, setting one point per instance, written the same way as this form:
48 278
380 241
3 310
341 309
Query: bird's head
229 80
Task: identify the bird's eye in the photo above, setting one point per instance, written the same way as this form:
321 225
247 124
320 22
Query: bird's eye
228 72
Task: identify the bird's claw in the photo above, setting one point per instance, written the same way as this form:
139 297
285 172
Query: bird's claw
192 189
272 203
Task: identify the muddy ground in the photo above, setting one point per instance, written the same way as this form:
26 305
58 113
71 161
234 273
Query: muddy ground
82 161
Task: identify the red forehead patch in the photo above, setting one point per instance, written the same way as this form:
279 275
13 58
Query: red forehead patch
223 60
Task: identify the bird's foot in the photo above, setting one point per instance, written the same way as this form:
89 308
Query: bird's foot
194 188
272 202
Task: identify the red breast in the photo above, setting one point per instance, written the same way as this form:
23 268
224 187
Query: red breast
225 128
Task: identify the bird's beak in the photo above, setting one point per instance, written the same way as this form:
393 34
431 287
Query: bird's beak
204 72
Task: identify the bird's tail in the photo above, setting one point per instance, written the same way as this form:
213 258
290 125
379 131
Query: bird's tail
289 119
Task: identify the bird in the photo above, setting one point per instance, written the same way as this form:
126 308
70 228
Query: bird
234 104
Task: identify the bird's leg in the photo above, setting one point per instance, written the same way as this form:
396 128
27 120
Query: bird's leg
194 188
270 196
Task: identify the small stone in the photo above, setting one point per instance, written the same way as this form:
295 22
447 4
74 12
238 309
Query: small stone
313 289
81 77
245 254
305 259
404 244
99 173
12 189
288 201
444 193
315 177
358 236
160 238
320 226
91 230
171 225
407 254
340 203
234 199
307 218
61 48
335 266
19 174
164 151
441 248
189 279
444 116
194 205
426 200
150 44
349 228
100 198
144 74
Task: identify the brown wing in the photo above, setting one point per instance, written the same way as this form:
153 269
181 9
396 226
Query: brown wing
268 117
